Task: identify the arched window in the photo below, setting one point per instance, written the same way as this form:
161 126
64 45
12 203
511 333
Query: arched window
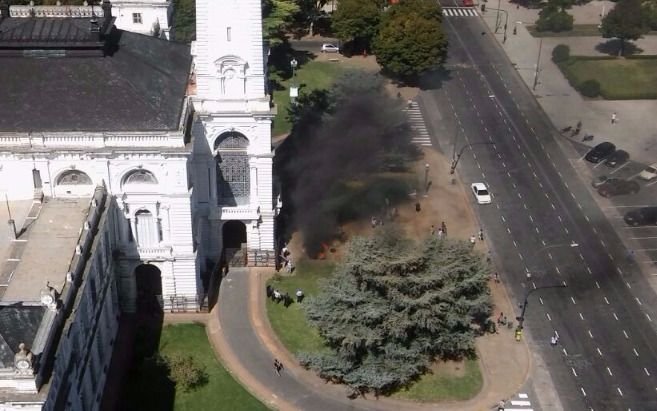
147 229
140 177
73 178
233 171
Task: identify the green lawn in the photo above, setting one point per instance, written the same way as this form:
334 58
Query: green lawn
290 323
152 391
579 30
619 78
443 385
312 75
297 335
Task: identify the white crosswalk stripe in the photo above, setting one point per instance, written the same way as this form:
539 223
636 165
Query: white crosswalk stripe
460 12
521 403
420 133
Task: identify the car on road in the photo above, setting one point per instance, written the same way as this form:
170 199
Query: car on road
642 216
617 158
619 187
330 48
600 152
649 172
481 193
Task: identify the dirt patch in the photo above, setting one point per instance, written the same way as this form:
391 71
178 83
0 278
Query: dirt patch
449 368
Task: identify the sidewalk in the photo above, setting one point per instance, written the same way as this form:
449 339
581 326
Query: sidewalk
559 100
240 333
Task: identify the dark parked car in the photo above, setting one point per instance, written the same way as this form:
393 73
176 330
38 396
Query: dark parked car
642 216
600 152
619 187
617 158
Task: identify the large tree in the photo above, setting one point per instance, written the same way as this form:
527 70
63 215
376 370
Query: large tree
356 22
277 16
394 306
411 41
310 11
626 21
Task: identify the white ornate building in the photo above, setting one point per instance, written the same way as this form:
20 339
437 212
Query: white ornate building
232 153
190 167
180 141
151 17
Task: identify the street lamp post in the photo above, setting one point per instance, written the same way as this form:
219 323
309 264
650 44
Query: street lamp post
521 318
498 21
294 90
538 62
455 159
426 179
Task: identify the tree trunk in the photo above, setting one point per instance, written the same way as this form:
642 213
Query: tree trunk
621 50
310 29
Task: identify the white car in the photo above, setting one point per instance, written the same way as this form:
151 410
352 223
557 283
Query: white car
330 48
481 193
649 172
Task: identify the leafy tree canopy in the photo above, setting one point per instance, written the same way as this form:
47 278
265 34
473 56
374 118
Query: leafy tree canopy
277 16
356 22
310 11
411 41
394 306
554 18
626 21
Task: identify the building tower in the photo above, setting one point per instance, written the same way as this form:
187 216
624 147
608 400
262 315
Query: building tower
232 155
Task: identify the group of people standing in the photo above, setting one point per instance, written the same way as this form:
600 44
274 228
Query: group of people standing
441 232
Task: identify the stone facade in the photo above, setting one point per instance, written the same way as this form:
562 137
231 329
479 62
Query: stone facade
232 128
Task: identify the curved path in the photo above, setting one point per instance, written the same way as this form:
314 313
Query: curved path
240 332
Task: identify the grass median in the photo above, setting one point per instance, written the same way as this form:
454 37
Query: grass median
452 381
619 78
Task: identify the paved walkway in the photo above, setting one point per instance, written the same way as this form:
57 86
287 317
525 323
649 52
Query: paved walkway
240 333
561 102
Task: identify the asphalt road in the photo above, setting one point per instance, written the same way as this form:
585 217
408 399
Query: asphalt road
605 317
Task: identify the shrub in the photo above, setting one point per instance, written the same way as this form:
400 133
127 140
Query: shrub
553 19
590 88
560 53
185 371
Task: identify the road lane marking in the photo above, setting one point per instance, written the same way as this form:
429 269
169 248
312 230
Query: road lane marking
607 301
597 285
590 334
581 316
589 269
627 337
628 286
548 316
583 392
540 300
615 316
573 370
619 391
598 350
573 300
648 317
609 371
635 352
637 300
646 371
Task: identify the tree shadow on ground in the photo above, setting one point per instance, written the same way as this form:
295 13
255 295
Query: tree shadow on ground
612 47
280 67
434 79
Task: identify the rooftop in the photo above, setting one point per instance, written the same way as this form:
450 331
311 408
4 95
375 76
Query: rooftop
44 250
55 79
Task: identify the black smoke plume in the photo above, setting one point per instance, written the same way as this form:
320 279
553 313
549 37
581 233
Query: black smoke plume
338 136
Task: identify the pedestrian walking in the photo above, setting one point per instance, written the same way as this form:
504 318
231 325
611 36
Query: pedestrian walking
433 230
373 222
277 296
500 405
473 240
481 234
441 233
500 318
287 300
497 277
553 341
614 118
269 290
289 267
443 227
299 295
278 366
